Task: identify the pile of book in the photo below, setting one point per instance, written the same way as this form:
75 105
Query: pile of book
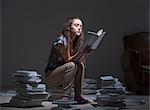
30 90
89 86
112 92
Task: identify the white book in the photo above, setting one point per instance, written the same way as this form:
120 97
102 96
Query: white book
21 97
24 103
34 96
28 87
107 78
90 81
26 79
89 86
28 73
32 93
93 39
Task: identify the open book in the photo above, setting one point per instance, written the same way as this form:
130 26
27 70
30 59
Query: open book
93 39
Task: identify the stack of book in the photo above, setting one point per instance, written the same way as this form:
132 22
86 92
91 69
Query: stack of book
112 92
30 90
89 86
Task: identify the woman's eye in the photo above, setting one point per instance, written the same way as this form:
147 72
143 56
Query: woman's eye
76 25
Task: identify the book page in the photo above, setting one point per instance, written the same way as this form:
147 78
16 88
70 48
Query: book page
90 39
97 42
93 39
100 32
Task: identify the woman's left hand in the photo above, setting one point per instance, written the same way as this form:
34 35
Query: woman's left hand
87 50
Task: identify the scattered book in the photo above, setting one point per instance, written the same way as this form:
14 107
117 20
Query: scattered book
30 90
64 103
89 86
112 92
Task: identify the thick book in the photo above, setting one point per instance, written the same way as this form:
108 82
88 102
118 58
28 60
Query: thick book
93 39
24 79
24 103
29 88
26 73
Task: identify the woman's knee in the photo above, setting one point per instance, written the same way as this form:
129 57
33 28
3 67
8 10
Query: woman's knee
71 65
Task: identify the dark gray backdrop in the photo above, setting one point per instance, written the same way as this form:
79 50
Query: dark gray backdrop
28 28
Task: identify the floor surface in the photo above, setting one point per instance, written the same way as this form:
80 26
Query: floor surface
133 102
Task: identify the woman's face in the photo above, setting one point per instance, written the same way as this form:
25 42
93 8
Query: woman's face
76 27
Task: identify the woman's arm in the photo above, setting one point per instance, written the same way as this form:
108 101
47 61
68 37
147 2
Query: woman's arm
65 52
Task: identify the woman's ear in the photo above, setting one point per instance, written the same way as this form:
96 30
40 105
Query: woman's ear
68 29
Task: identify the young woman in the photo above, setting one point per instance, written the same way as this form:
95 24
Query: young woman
66 64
